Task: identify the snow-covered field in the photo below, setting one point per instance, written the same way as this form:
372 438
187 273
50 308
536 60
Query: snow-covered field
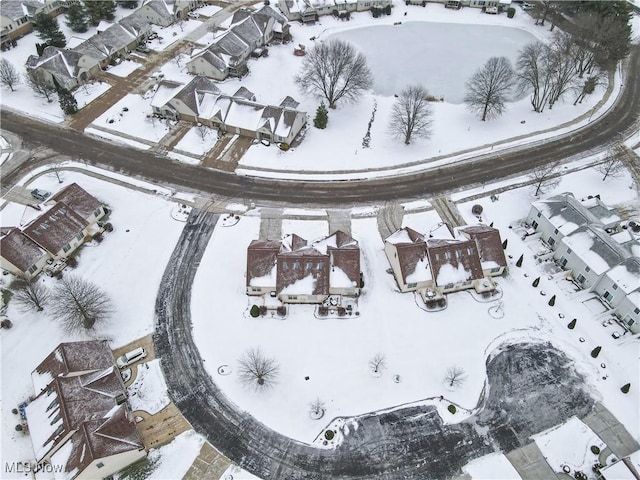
418 346
193 141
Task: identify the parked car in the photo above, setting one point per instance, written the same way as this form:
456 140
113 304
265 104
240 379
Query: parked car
40 194
193 15
527 6
492 10
143 49
131 357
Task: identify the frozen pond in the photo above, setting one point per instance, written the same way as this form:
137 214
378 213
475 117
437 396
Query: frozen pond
440 56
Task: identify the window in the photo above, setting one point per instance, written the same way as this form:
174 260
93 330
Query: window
615 286
607 296
636 311
447 255
587 269
539 214
33 268
551 241
98 211
66 248
99 465
411 285
534 224
255 289
563 262
293 297
80 236
568 251
285 266
580 278
495 270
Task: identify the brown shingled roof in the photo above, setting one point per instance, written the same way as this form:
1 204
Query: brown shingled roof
489 243
78 199
455 253
296 265
20 250
261 258
56 227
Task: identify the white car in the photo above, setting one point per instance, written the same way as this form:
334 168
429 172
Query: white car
131 357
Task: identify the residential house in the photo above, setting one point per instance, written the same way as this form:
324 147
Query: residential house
64 66
86 205
627 468
60 230
17 16
181 8
22 256
299 272
156 12
200 101
620 288
310 10
80 420
437 266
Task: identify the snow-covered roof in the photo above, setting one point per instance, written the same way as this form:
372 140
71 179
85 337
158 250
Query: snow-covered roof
456 260
78 199
626 275
565 212
261 263
596 248
489 245
46 422
56 227
405 235
20 250
61 63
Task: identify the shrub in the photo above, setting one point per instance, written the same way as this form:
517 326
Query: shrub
552 301
284 146
519 262
329 434
596 351
536 282
452 409
511 12
14 411
108 227
18 428
281 310
255 311
572 324
625 388
323 311
263 310
595 450
342 311
6 324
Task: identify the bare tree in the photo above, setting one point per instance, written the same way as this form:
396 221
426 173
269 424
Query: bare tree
411 114
334 70
378 363
562 65
37 80
455 376
257 370
8 74
488 88
203 131
612 165
80 304
545 177
29 294
541 11
535 74
316 409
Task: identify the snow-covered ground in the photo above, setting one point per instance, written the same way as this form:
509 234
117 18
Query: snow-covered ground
127 264
193 141
418 346
148 391
124 68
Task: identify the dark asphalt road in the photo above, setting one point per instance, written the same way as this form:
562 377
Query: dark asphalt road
162 170
532 388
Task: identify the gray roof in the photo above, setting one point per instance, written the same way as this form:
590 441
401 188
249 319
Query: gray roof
62 64
277 16
605 247
11 9
563 209
191 94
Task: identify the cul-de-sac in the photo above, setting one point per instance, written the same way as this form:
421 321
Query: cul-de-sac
320 239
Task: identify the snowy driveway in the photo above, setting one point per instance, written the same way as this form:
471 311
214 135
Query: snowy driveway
532 387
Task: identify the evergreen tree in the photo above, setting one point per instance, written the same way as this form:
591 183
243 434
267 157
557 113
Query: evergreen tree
100 10
127 3
77 18
322 117
49 30
68 102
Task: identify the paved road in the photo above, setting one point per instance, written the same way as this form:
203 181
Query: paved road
532 387
486 168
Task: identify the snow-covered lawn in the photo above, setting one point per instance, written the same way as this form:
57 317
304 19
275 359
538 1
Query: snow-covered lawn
493 466
124 69
167 36
193 142
148 391
418 346
132 116
127 264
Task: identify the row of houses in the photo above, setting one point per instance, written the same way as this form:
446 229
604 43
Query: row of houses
201 101
71 216
112 42
249 32
16 17
308 11
80 421
585 239
297 271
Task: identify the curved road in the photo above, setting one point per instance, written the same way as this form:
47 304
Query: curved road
533 387
156 168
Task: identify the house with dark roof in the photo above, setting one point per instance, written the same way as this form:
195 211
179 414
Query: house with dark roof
62 65
22 256
435 266
297 271
59 230
81 202
80 420
200 101
17 16
71 216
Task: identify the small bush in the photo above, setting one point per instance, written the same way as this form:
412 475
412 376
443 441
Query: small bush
255 311
108 227
284 146
511 12
625 388
6 324
342 311
572 324
281 310
552 301
519 262
596 351
263 310
536 282
329 434
18 428
452 409
14 411
323 311
595 449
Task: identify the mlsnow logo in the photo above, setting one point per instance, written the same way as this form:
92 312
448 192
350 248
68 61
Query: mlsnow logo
28 467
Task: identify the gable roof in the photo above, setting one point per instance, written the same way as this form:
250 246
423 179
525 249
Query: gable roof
596 248
454 261
489 245
56 227
20 250
61 63
72 358
411 253
565 212
261 262
78 199
303 271
627 275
